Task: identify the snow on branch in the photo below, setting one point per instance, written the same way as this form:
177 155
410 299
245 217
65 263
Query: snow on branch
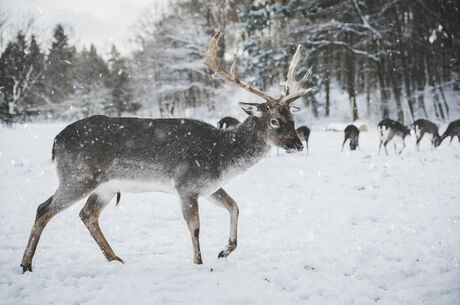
339 25
364 20
324 43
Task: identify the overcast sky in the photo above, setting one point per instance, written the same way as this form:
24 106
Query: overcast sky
97 21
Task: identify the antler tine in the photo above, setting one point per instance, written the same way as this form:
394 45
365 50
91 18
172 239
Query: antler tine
210 60
210 57
292 86
234 70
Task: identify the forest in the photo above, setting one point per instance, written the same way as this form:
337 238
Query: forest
397 59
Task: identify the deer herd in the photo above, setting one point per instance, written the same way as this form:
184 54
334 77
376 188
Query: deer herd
99 157
388 129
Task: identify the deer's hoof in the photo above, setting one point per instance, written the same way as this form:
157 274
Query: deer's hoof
223 253
226 252
116 258
26 267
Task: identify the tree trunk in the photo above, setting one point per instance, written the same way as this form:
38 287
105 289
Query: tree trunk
327 79
350 73
327 83
420 80
395 84
431 75
383 89
404 67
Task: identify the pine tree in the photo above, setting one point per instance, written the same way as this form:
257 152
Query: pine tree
16 76
5 83
35 62
59 67
90 80
169 76
119 84
35 55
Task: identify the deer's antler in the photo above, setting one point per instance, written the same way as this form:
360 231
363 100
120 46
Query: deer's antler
292 86
210 60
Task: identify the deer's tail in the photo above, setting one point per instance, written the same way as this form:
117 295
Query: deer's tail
118 198
53 151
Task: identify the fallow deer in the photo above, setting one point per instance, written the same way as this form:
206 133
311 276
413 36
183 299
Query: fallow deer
388 129
227 122
99 156
422 126
304 133
351 134
452 130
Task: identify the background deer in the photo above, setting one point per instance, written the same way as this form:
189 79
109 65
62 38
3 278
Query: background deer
100 156
422 126
304 133
452 130
351 134
227 122
388 130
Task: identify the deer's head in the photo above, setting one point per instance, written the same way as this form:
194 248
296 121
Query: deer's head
275 114
436 140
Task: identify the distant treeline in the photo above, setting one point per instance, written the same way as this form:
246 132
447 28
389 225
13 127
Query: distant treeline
61 81
400 56
407 51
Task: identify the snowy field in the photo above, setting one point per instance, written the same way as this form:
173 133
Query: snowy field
328 228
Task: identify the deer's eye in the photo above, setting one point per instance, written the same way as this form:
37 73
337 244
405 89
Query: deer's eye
274 123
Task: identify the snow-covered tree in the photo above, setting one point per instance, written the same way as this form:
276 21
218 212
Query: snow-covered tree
168 70
58 68
119 83
89 79
21 67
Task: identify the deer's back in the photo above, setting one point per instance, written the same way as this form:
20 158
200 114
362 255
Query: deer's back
351 130
303 132
227 122
454 127
426 125
394 127
165 150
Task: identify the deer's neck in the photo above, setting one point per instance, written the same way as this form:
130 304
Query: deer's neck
247 143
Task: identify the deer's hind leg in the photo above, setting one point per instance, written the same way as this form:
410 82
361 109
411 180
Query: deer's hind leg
192 218
404 146
222 199
65 196
387 140
419 138
90 213
345 140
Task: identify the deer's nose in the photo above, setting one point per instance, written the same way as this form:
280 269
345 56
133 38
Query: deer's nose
299 146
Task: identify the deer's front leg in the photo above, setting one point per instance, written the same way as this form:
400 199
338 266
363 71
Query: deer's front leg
345 140
192 217
222 199
404 146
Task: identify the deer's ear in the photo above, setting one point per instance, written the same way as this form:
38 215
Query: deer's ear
294 109
252 109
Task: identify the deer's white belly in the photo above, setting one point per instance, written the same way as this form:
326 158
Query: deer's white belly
136 186
383 133
417 131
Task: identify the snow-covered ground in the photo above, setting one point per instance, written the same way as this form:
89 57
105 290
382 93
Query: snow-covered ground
327 228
